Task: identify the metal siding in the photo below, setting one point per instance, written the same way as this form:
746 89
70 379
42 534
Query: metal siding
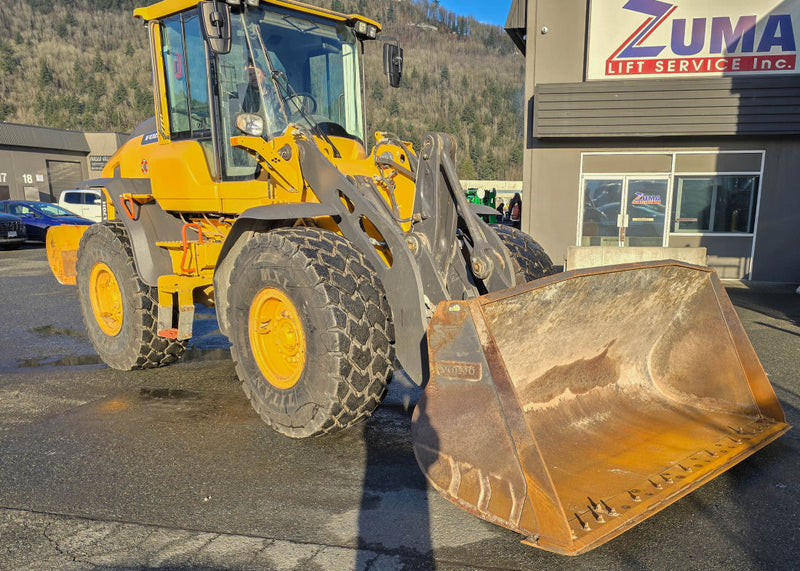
517 24
648 108
13 135
517 15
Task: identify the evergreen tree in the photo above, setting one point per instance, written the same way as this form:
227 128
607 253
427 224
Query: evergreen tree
8 60
98 66
45 75
444 76
120 95
394 107
377 90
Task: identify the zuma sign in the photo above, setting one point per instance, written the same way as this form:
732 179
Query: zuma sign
652 38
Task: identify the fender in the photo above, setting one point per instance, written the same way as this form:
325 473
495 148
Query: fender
150 224
257 219
269 216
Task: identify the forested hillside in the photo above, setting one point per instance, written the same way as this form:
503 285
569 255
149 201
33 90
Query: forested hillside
85 64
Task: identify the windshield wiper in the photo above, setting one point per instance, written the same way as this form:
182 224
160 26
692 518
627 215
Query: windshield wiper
286 92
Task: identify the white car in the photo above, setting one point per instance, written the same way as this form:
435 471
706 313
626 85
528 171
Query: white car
83 202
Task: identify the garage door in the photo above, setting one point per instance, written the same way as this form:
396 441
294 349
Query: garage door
63 175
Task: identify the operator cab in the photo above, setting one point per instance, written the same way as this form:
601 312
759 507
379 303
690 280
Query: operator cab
255 68
285 67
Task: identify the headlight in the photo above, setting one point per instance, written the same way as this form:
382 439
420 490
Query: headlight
250 124
481 193
364 30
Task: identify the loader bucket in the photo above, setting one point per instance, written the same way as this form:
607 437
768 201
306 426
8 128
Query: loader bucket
573 407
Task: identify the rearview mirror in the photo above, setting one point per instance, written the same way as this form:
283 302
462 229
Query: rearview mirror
393 63
216 20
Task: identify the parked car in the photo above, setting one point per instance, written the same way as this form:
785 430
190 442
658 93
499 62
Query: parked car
39 216
12 232
83 202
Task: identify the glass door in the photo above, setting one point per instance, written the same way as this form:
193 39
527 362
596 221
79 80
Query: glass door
624 211
601 210
643 216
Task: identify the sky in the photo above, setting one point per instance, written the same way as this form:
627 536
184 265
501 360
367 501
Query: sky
488 12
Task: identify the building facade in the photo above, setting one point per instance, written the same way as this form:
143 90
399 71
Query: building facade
664 124
37 163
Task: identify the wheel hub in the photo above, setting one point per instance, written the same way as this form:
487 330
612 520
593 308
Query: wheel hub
277 338
106 299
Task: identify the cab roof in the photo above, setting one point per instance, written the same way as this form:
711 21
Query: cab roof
169 7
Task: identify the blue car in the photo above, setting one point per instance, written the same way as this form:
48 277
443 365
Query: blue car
39 216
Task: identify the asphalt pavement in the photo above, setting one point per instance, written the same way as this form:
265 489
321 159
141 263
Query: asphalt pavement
171 468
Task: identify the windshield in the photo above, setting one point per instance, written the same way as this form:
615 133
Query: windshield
53 210
315 66
293 68
42 208
288 68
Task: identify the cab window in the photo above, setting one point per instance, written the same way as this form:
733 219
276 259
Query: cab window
184 53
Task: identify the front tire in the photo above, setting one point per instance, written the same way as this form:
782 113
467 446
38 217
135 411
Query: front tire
118 308
530 262
311 331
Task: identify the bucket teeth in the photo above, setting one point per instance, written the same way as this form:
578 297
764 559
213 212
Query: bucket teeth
598 517
610 511
584 524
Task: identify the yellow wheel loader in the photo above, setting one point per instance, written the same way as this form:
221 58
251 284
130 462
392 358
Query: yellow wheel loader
566 407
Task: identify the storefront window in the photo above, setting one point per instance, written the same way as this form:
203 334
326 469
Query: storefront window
716 203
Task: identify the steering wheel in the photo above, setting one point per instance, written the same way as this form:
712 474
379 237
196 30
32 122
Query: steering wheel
301 104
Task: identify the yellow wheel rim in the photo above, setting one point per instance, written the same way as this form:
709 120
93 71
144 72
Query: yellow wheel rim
277 338
106 299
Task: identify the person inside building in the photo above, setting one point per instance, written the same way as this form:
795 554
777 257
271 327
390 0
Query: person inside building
515 210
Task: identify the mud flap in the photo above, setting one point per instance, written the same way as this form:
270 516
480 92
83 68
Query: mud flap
573 407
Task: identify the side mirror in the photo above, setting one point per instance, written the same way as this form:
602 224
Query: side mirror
393 63
216 22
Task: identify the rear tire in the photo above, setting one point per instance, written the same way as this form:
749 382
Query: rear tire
119 310
530 262
311 331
